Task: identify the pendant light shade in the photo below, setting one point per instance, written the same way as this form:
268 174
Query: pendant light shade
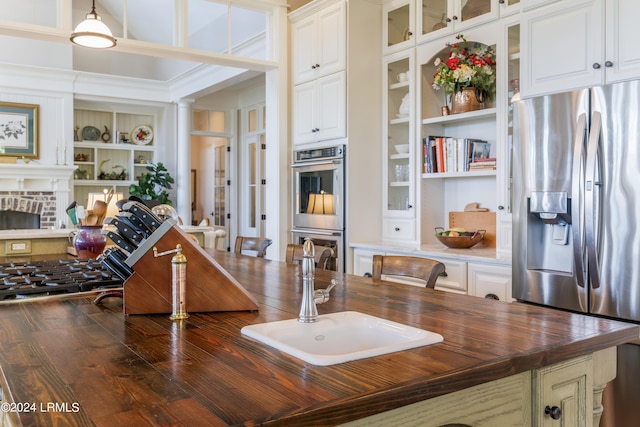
92 32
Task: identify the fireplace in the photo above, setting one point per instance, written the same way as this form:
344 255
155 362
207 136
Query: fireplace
38 190
16 220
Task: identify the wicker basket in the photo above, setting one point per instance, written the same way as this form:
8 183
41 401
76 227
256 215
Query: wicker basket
465 241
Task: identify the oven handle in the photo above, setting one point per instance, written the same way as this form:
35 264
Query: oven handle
323 233
321 162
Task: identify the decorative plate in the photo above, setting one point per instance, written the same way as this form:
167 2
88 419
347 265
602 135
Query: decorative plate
90 133
142 135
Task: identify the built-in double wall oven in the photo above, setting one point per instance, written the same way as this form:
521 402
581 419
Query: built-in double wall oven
319 199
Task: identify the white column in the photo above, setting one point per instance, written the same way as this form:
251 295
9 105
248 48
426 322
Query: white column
183 163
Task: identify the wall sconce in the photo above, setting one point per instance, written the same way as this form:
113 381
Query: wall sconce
92 32
321 204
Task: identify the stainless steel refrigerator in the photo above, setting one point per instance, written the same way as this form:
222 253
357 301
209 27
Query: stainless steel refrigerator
576 235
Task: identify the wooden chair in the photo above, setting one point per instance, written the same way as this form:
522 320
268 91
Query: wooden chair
409 266
257 244
322 255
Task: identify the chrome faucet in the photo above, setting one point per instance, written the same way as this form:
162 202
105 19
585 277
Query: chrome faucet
310 296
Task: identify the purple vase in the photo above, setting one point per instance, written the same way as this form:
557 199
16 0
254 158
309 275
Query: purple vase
89 241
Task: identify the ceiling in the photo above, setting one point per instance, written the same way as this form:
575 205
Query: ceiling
159 40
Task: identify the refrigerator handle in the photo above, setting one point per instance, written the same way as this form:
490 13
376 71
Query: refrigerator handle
577 205
592 185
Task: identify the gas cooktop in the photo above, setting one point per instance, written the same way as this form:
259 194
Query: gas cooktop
41 278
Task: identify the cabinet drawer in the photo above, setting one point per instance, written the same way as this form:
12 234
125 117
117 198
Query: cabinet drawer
489 281
398 229
456 278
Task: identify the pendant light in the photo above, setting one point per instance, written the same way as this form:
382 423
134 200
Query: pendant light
92 32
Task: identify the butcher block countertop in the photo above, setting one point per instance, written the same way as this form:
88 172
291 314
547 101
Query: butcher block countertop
78 363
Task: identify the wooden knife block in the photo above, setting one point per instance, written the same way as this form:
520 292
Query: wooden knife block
208 286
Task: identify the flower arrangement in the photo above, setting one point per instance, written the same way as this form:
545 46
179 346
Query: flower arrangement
467 66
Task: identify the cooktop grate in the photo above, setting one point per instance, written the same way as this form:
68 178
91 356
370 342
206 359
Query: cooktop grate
41 278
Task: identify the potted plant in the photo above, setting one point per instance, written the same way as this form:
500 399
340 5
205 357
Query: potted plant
153 185
468 75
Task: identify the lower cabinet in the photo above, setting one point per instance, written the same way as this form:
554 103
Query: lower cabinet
564 394
462 277
489 281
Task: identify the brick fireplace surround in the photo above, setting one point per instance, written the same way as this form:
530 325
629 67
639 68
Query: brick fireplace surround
38 189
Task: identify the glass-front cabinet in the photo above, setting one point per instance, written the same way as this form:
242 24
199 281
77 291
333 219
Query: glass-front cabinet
398 25
440 17
399 150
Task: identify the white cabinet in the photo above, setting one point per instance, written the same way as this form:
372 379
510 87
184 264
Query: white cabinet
319 109
599 49
399 149
437 18
363 261
489 281
318 44
398 25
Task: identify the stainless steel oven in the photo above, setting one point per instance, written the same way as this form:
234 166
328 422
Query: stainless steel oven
319 197
318 193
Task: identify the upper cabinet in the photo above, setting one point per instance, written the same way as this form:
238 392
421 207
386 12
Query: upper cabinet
441 17
599 49
318 43
320 109
398 25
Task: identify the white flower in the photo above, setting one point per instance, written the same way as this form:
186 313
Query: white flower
437 62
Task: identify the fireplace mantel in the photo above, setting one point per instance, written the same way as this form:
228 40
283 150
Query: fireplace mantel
25 177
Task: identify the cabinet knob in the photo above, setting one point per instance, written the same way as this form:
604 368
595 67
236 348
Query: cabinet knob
313 67
500 208
455 18
317 130
553 411
608 64
317 65
492 296
397 229
501 1
448 19
596 66
409 206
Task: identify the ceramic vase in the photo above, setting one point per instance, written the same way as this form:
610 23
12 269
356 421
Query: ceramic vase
89 242
466 99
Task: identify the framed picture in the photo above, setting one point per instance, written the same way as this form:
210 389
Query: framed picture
18 130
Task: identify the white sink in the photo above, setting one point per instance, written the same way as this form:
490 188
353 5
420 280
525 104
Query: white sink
340 337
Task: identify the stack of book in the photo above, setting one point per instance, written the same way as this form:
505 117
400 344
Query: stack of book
446 154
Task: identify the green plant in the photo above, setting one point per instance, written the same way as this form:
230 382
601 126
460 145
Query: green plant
154 184
467 66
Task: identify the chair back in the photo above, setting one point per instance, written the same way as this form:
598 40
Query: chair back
408 266
257 244
322 255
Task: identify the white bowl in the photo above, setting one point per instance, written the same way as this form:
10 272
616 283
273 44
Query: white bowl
402 148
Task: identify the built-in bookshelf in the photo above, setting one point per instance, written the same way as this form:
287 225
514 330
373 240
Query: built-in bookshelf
441 154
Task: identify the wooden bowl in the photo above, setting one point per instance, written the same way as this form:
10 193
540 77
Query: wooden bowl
465 241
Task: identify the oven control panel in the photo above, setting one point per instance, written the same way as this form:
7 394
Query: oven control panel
327 153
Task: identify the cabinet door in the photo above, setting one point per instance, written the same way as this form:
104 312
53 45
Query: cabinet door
437 18
555 59
331 120
363 261
489 281
331 40
622 61
318 44
566 387
303 39
304 101
456 278
398 30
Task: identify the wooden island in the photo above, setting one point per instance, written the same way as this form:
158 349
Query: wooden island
79 364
